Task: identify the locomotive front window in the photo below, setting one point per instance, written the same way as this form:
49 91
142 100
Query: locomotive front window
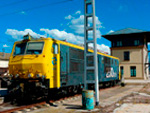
34 48
20 49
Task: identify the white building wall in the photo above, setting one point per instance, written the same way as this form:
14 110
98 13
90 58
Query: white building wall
4 64
145 60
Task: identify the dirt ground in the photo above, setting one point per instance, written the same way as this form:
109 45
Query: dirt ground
128 99
110 99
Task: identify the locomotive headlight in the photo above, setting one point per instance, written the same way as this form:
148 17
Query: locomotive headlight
39 75
30 75
17 75
43 76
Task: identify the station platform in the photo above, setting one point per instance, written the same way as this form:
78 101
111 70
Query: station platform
136 82
108 97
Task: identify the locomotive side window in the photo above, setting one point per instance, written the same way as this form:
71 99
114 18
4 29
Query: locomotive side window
20 49
55 48
34 47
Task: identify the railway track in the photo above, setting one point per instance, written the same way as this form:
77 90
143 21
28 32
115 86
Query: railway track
26 108
23 108
31 107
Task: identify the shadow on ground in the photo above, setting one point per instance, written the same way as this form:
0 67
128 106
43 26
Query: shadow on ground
70 106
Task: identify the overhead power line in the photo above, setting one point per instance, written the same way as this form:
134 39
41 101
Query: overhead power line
36 7
13 3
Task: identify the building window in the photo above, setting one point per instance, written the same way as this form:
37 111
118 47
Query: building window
136 42
133 71
119 43
126 55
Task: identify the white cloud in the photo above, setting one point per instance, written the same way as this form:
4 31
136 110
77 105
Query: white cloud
77 25
78 12
23 12
76 28
110 31
68 17
16 34
80 21
69 37
101 48
5 45
53 33
63 35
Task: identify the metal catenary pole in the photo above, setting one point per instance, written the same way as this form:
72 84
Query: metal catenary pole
87 28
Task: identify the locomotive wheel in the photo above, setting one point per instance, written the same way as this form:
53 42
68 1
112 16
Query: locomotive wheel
115 83
75 89
107 84
112 83
80 88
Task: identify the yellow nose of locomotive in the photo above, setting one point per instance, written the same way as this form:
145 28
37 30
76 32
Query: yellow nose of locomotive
27 59
24 69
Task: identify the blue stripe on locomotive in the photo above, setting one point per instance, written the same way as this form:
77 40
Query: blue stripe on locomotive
72 67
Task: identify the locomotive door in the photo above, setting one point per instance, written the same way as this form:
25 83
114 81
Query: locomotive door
63 65
56 65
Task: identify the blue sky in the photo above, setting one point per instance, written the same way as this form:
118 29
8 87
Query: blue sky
64 20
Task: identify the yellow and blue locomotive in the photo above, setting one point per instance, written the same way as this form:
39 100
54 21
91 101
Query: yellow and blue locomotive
37 65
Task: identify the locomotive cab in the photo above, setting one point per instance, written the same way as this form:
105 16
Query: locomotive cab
34 64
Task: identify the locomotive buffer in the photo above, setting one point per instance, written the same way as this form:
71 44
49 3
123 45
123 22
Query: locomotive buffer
90 14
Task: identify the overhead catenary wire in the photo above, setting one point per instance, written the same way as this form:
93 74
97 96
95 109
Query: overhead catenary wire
36 7
12 3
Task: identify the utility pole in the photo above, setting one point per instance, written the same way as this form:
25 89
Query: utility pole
90 13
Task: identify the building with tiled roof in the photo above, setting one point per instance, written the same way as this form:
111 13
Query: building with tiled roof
130 46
